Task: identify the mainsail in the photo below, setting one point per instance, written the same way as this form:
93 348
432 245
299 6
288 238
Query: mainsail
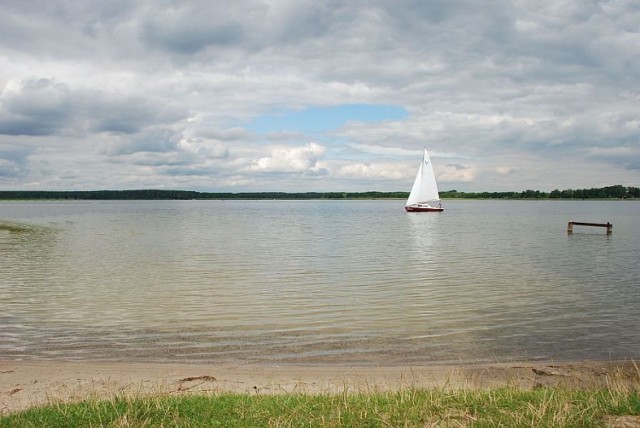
425 188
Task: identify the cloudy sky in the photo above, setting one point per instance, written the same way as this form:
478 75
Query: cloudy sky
314 95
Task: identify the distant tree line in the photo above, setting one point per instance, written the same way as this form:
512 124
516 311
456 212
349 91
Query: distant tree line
610 192
152 194
100 194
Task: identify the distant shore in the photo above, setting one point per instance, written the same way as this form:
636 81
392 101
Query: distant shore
25 384
616 192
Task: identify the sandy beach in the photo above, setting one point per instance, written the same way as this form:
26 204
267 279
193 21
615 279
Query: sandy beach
24 384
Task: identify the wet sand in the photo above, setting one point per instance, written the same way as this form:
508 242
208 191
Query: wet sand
24 384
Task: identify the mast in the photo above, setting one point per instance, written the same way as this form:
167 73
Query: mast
424 187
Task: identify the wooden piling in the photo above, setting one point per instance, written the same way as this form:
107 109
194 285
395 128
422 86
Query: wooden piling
608 225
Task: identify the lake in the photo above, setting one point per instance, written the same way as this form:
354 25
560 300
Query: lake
318 282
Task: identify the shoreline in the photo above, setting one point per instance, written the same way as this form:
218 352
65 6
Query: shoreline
26 383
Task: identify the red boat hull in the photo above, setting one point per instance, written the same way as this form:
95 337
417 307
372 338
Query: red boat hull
424 209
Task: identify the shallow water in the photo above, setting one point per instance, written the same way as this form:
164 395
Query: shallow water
357 282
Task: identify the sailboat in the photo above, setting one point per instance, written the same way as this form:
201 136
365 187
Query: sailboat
424 190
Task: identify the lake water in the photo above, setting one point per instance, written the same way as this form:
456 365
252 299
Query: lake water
318 282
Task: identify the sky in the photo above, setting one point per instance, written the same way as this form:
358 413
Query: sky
318 95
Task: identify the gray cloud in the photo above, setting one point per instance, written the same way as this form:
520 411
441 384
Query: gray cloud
164 92
44 106
13 161
108 113
39 107
188 33
155 141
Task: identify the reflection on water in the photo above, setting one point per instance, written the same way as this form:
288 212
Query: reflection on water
358 282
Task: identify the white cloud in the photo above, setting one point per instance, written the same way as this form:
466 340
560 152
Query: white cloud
375 171
115 94
504 170
290 160
456 173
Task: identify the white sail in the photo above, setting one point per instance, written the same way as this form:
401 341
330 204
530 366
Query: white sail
425 188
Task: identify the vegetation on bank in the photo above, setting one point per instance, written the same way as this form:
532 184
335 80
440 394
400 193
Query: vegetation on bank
154 194
544 407
609 192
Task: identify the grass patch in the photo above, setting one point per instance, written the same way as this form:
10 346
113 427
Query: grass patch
14 227
508 407
23 229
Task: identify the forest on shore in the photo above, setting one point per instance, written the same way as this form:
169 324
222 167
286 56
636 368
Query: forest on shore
609 192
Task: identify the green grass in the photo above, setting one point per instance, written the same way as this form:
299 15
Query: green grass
14 227
507 407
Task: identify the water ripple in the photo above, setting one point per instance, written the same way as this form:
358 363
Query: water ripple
324 282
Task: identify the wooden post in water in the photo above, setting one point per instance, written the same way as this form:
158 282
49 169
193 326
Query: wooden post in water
608 225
